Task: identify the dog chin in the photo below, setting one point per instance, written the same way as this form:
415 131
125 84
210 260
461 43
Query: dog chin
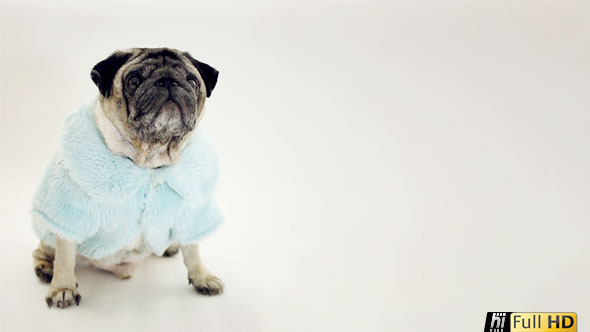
169 118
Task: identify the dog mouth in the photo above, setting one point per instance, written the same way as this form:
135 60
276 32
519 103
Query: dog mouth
170 106
169 117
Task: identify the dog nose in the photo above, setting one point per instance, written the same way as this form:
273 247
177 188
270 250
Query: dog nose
166 81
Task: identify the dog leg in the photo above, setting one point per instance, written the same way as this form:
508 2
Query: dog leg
63 291
198 275
43 261
171 251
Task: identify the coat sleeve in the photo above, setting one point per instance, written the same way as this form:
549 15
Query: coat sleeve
60 207
197 222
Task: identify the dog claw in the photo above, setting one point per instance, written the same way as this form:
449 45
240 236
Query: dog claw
62 297
203 290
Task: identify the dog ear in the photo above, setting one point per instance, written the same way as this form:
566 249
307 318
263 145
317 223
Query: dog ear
208 73
104 72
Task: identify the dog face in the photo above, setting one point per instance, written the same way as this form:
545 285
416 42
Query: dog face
154 96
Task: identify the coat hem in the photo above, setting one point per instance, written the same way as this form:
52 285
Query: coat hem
202 235
54 228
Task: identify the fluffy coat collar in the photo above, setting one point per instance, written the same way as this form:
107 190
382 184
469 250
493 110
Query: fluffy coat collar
106 176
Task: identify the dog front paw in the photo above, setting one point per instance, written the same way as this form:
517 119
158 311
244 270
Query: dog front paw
207 285
62 297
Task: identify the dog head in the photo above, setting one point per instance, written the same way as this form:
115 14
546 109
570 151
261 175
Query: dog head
153 96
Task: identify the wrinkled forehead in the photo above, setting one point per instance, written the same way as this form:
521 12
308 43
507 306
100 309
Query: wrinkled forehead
145 61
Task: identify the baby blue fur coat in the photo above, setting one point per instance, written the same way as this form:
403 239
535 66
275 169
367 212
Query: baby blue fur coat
104 201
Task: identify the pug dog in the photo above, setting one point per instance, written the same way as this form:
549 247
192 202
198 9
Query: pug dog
133 174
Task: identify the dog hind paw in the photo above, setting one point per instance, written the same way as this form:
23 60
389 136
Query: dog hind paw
43 266
44 272
171 251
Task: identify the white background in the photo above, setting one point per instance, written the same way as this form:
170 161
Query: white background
401 166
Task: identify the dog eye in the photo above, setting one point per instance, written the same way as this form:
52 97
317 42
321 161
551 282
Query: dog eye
193 82
134 81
